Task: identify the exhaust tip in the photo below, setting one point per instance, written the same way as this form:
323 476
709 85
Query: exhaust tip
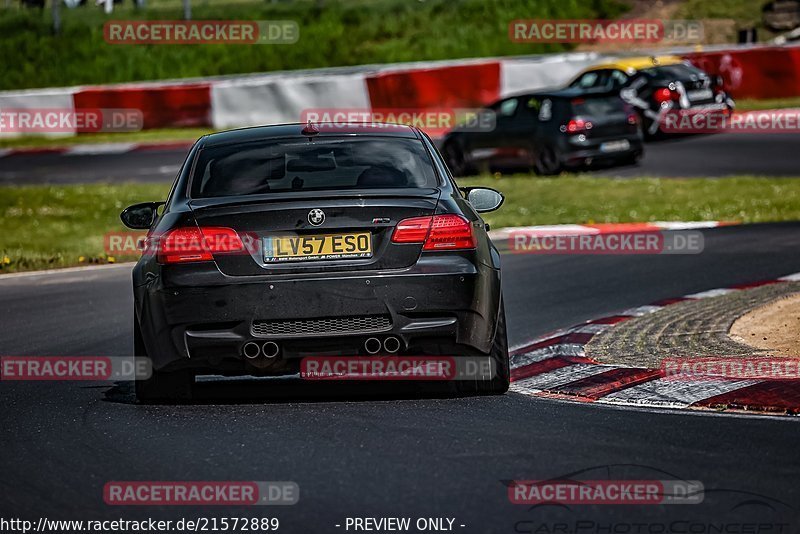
372 345
270 349
391 344
251 350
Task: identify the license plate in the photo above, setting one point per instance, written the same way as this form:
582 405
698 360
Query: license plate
317 247
700 94
615 146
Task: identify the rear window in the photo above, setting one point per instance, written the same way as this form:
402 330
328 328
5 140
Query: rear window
599 106
322 164
680 71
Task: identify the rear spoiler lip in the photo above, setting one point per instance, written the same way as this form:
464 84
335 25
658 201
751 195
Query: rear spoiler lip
405 192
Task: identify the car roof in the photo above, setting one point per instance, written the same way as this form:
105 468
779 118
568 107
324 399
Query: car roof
634 64
326 129
567 92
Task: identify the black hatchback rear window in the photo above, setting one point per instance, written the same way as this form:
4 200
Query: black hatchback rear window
599 106
322 164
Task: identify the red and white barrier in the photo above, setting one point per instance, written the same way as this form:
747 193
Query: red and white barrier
37 99
281 99
224 102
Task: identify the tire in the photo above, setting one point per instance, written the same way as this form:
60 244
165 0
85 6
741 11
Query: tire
547 162
498 385
632 159
161 386
456 161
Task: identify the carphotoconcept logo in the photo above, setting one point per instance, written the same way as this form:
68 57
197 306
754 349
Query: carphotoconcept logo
157 32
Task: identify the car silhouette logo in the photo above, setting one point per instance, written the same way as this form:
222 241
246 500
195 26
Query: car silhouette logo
316 216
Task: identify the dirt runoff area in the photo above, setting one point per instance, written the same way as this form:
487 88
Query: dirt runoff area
774 327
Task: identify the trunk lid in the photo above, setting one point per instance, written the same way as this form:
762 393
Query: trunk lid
608 116
361 214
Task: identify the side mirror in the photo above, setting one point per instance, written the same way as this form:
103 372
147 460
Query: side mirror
484 199
140 216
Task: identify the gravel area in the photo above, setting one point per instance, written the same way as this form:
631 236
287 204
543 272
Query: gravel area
697 328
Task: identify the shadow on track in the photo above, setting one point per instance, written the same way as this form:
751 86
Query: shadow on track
286 390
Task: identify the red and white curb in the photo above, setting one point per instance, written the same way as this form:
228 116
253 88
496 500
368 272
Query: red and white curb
555 365
96 149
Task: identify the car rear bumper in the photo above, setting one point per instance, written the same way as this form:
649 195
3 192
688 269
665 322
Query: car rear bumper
194 316
594 150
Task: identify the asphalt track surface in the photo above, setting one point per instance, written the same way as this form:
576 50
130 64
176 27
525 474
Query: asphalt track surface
694 156
387 454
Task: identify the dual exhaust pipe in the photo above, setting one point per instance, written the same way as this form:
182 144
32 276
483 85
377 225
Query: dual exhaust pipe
374 345
268 349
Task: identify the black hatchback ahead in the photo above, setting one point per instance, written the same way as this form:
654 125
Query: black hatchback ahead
548 132
280 243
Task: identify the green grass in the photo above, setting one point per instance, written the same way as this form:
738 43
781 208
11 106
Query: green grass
43 227
332 33
55 226
585 199
749 104
746 13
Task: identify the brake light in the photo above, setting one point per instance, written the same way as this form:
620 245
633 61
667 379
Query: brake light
578 125
413 230
440 232
666 95
185 245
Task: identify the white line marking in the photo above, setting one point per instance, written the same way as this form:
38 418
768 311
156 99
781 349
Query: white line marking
710 293
591 328
99 148
791 277
671 225
675 392
641 310
51 272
